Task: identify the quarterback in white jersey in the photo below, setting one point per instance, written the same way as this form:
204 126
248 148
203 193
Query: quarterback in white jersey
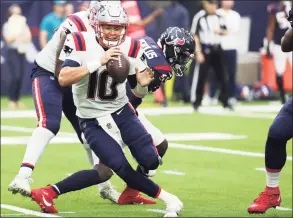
106 125
97 94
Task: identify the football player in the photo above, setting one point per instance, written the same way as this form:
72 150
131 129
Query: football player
280 132
277 26
105 115
50 99
173 51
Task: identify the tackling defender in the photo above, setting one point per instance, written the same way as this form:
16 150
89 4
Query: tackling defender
280 132
106 118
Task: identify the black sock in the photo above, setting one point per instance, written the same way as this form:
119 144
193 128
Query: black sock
281 88
138 181
77 181
275 153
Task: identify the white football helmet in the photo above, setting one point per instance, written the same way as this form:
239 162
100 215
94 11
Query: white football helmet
113 15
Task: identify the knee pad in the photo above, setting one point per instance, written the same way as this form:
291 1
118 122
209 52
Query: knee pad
53 125
104 172
162 148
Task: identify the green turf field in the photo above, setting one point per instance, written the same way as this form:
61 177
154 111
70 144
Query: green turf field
211 176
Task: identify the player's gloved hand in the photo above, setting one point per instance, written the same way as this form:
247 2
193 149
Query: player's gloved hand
145 77
110 54
290 17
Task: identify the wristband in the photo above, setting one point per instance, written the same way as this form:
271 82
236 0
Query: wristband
93 66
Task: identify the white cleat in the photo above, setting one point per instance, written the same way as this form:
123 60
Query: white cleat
173 208
110 194
21 185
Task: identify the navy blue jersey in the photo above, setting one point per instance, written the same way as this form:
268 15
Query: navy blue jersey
281 11
155 59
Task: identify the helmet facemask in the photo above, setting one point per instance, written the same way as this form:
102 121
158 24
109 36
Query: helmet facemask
107 38
179 61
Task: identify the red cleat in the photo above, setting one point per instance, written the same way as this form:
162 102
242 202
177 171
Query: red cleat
44 198
131 196
271 197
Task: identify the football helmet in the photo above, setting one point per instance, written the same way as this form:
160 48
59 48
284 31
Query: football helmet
178 46
112 15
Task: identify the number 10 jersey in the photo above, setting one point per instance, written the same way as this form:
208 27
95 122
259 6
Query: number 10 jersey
97 94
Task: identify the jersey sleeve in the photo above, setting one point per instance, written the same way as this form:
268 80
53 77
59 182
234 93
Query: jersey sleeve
135 57
72 48
74 23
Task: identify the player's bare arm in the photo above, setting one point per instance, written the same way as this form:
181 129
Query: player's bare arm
71 75
287 41
59 49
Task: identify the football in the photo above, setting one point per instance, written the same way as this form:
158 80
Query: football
118 69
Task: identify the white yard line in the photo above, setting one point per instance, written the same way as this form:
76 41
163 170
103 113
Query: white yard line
261 169
172 172
219 150
283 208
26 211
240 111
157 211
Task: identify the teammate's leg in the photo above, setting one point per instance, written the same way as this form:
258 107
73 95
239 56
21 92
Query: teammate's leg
48 104
279 133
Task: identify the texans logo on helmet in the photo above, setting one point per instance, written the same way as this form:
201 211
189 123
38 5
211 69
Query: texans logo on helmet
175 39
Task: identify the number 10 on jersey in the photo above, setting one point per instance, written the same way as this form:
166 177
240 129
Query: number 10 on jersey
99 84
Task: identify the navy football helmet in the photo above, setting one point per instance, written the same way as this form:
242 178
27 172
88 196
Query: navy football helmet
178 46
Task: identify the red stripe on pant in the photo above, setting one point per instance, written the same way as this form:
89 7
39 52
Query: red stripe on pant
39 103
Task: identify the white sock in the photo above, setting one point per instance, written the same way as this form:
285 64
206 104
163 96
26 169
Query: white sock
89 153
104 185
165 196
35 148
273 179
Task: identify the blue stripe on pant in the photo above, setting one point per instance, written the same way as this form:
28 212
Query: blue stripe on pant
110 153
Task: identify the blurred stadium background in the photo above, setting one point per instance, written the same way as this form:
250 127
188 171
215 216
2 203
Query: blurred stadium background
215 163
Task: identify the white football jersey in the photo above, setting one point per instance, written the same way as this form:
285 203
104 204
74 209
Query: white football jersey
74 23
97 94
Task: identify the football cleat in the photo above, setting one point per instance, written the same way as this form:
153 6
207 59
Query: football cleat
131 196
21 185
44 198
110 194
270 198
173 207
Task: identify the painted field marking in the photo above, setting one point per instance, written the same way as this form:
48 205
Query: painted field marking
26 211
261 169
157 211
172 172
67 137
240 111
219 150
283 208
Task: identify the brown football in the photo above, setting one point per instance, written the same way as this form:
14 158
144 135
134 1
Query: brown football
118 69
